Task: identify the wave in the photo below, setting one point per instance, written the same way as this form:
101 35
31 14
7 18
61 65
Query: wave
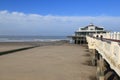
31 38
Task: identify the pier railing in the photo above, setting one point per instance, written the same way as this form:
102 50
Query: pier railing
108 49
110 35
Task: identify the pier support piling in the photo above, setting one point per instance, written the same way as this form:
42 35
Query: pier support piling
93 57
100 69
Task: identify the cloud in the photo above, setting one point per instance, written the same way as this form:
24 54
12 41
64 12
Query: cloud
18 23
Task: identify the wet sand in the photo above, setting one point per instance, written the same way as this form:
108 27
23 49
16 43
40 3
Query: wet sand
58 62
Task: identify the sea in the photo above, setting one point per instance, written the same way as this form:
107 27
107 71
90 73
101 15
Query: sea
32 38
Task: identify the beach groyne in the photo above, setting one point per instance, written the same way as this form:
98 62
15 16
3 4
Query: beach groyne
15 50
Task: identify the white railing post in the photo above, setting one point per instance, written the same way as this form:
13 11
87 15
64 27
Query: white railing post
111 35
115 35
118 35
106 35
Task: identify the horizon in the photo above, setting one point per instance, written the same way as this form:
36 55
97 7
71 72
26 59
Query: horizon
56 17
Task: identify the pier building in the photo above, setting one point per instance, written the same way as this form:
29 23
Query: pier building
80 35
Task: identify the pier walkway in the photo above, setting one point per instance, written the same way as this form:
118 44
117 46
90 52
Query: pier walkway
63 62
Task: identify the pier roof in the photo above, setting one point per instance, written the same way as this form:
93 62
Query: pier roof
90 28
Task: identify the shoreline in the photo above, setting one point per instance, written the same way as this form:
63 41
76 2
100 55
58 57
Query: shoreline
27 42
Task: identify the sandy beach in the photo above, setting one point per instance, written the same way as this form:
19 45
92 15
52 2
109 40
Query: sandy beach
53 62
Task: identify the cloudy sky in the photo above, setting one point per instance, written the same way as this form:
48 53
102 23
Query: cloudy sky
56 17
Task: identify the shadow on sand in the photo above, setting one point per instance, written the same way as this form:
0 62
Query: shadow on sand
87 55
93 78
87 62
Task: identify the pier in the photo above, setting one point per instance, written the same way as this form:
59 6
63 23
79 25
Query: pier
104 48
105 54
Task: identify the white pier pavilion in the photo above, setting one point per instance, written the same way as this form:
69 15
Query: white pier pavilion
80 35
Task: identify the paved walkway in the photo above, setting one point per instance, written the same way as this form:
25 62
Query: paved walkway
65 62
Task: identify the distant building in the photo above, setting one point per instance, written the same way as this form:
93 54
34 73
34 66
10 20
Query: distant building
80 35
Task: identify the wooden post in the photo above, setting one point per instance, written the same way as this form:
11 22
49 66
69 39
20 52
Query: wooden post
98 69
93 57
80 41
77 40
102 68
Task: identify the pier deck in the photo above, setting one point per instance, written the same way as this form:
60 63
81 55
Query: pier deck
63 62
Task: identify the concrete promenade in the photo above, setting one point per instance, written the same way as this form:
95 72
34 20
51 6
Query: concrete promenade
62 62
